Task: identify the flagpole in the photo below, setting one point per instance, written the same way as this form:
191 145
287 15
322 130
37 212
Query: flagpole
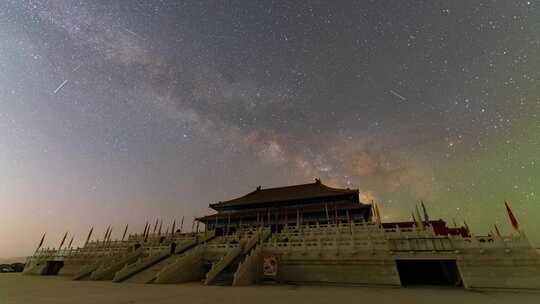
63 240
89 235
155 226
125 231
182 224
513 220
145 228
41 242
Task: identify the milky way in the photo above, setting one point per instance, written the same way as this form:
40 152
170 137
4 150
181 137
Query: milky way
123 111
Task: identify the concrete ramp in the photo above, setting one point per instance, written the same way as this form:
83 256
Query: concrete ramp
148 275
141 264
87 270
72 267
146 270
107 271
184 268
36 268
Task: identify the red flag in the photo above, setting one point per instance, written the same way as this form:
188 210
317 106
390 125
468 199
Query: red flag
511 216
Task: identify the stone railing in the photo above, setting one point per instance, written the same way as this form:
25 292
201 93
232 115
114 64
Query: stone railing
421 244
206 236
397 240
351 245
357 228
490 243
260 236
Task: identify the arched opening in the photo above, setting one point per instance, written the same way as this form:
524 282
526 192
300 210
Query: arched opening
53 267
173 248
429 272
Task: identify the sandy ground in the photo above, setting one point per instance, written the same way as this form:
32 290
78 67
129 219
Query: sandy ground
15 288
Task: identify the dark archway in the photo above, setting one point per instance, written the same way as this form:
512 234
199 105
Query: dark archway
53 267
429 272
173 248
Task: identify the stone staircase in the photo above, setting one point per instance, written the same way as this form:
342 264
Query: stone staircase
222 272
226 276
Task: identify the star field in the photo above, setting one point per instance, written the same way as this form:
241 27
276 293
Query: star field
115 112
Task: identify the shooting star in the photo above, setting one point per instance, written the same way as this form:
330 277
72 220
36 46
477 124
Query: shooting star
78 67
134 34
60 86
398 95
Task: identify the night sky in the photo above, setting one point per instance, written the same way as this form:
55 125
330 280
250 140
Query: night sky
115 112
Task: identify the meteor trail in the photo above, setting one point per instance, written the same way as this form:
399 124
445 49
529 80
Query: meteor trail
134 34
398 95
75 69
60 86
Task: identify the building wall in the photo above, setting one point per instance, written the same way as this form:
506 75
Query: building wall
363 269
516 269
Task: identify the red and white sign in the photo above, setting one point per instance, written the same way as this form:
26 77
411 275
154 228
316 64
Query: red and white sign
270 266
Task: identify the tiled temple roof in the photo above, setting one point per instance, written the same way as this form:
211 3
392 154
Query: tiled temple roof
316 190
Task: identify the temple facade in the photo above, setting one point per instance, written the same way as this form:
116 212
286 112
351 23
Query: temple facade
309 233
282 207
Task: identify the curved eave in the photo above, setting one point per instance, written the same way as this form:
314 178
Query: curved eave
339 193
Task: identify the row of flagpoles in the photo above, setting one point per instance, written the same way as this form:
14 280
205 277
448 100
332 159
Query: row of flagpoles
422 223
376 216
108 232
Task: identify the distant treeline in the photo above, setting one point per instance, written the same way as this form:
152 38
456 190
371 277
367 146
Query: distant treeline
15 267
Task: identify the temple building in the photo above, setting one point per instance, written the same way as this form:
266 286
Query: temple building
311 204
308 233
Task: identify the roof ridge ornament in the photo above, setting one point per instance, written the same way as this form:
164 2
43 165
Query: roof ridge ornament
317 180
258 188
